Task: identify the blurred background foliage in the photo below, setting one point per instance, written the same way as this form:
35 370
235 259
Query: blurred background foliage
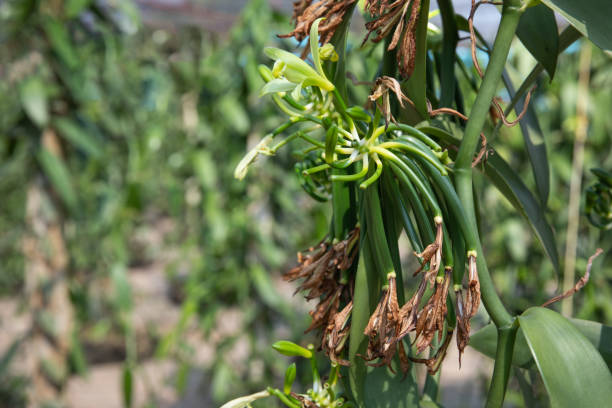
130 133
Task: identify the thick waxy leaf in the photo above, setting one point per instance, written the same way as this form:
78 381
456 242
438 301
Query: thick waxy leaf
449 45
538 32
591 18
574 373
367 291
416 84
383 389
535 145
513 188
58 174
600 336
485 341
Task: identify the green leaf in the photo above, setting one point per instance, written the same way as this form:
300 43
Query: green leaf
485 341
449 46
416 84
33 97
573 372
600 336
55 169
535 145
383 389
538 32
591 18
127 385
75 7
78 136
57 34
364 300
512 187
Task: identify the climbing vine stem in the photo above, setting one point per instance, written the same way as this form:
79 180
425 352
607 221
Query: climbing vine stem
511 13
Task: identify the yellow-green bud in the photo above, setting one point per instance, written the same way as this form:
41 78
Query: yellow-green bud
328 52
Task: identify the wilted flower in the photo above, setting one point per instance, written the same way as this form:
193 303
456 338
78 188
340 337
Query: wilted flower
389 15
432 254
261 148
305 13
336 333
321 269
384 326
467 307
381 89
431 319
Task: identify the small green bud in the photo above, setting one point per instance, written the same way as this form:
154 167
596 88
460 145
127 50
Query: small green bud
328 52
291 349
289 378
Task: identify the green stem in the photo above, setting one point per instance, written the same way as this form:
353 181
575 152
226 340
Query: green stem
511 14
503 362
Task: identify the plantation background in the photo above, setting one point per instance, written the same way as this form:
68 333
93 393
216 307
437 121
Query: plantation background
134 267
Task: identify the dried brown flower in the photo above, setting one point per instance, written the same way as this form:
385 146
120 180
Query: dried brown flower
390 15
336 334
305 402
380 91
467 307
432 255
409 312
305 12
431 319
384 326
389 323
433 363
321 268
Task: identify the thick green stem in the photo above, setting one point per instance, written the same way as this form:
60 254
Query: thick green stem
503 362
511 14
